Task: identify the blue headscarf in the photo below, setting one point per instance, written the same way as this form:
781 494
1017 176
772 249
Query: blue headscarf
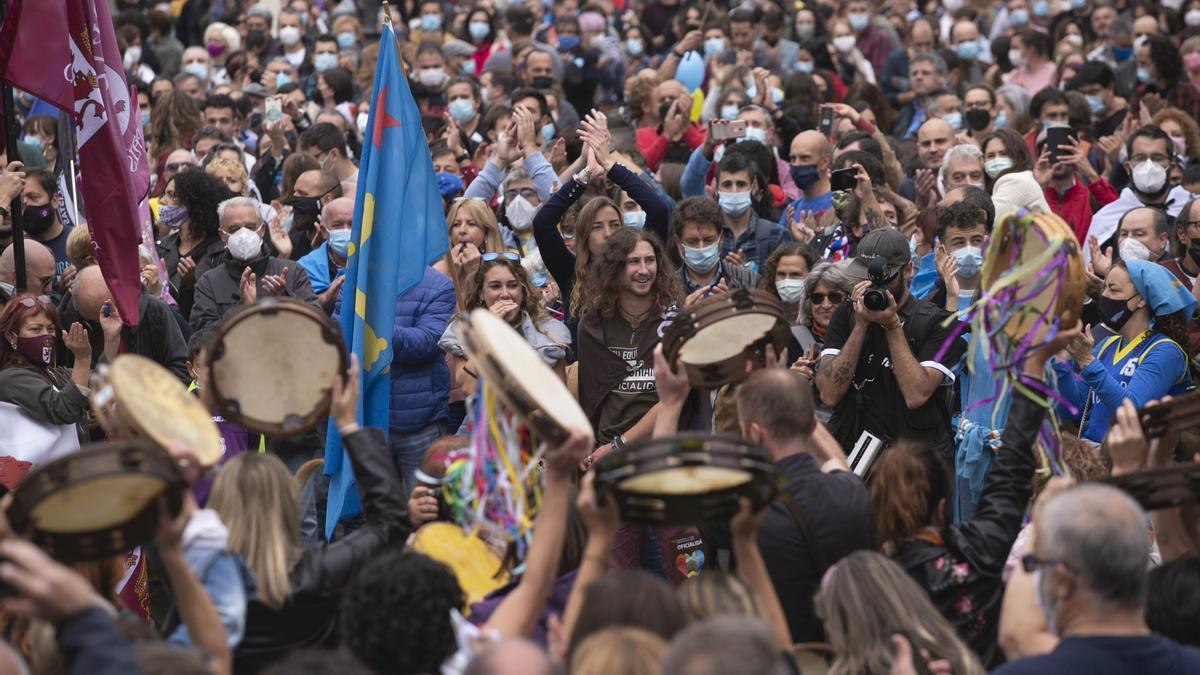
1161 290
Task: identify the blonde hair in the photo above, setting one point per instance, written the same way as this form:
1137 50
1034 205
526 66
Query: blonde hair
866 598
223 167
619 651
715 593
257 501
483 216
79 246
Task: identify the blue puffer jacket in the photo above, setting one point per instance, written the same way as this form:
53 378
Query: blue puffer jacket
420 379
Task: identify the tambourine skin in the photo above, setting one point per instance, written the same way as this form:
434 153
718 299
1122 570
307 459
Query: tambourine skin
100 502
269 336
1017 241
520 378
747 318
687 479
135 398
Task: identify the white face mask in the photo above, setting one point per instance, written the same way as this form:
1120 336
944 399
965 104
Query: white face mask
245 244
1149 178
289 35
790 290
361 122
133 56
1132 249
845 43
520 214
431 77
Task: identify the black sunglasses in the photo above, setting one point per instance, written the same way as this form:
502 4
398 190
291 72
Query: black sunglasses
834 298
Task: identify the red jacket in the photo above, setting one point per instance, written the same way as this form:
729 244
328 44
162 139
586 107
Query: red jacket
653 145
1075 204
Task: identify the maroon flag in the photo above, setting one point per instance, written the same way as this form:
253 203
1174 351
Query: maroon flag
65 52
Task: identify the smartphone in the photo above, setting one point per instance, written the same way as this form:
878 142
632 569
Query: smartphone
106 310
273 109
1056 137
826 124
843 179
734 129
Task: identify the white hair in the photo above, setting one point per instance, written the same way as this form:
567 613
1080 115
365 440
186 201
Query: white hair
237 203
960 152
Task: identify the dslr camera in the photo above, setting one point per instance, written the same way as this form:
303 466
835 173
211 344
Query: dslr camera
876 297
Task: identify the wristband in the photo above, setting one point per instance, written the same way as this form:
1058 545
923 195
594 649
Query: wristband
677 54
347 429
583 178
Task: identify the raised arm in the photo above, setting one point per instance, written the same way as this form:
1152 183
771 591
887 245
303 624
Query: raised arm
657 212
559 260
519 611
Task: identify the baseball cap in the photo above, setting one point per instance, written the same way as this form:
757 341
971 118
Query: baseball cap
888 244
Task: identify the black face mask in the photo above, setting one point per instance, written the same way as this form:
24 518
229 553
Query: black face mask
1194 251
306 206
978 120
37 219
541 82
256 39
1114 313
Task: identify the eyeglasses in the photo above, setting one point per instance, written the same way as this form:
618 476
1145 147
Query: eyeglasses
492 256
834 298
30 303
527 193
176 167
1030 562
1156 158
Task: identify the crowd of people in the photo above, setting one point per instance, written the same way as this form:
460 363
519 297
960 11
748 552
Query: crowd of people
606 165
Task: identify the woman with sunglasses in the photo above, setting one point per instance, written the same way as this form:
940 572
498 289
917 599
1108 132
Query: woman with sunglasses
502 286
41 406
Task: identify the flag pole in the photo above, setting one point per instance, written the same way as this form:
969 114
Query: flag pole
14 208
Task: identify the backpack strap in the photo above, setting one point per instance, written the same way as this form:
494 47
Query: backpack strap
1167 340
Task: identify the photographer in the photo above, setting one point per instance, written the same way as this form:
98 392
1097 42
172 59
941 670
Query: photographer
879 369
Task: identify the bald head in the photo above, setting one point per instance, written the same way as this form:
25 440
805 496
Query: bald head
91 292
511 657
39 267
811 147
316 183
934 138
338 214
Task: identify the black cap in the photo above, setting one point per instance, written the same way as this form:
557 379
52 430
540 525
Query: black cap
886 243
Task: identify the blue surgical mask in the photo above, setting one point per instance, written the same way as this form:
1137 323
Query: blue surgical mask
703 259
324 61
1078 4
1121 54
567 42
714 47
1144 76
547 132
635 219
198 69
969 260
634 47
734 203
145 117
345 40
1041 8
955 120
805 66
967 51
34 141
1001 120
431 22
461 110
282 80
468 67
790 290
339 241
1018 18
1054 125
756 134
729 112
479 29
1095 104
859 21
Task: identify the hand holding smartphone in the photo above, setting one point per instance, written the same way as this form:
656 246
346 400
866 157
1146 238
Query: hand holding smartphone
273 109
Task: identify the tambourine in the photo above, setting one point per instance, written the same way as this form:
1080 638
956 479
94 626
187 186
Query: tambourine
478 569
100 502
719 336
272 363
1036 258
520 377
687 479
135 398
1181 413
1163 487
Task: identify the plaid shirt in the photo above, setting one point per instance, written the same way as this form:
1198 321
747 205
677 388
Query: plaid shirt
748 242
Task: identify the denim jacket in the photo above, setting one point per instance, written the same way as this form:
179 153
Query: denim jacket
226 579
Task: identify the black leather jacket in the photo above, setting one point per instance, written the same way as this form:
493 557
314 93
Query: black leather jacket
962 574
309 616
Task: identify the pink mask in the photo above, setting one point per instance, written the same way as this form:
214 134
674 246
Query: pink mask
1191 61
37 350
215 50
